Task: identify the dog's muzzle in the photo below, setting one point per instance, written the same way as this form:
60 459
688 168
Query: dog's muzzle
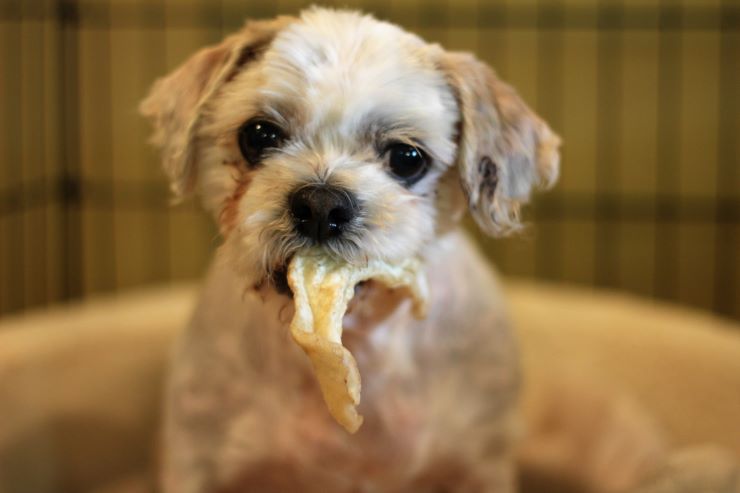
322 212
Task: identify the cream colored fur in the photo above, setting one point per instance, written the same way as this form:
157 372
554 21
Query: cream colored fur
243 409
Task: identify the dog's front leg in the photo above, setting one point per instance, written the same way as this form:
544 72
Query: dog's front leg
216 427
192 437
217 406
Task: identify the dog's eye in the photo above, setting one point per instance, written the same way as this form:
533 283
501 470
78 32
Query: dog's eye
255 137
408 163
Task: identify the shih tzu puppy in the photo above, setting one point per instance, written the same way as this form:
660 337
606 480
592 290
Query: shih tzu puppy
339 132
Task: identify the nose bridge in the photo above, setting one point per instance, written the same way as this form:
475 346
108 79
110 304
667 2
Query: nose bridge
328 154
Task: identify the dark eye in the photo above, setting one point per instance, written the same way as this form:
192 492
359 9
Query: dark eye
256 137
407 162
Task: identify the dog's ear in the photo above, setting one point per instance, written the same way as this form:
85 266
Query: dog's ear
504 148
175 102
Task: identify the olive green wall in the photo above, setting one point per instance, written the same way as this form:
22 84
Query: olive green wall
644 93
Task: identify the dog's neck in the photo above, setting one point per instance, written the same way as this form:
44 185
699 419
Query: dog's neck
261 319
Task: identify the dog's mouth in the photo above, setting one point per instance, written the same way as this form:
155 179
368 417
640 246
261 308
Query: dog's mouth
279 281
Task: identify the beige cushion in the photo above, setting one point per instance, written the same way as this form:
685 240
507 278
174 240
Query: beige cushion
80 385
681 364
80 389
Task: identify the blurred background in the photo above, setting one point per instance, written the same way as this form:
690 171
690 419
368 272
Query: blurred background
645 93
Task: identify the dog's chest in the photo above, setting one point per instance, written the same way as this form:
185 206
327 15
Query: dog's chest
292 431
432 390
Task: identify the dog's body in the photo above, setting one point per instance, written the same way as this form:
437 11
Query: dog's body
438 395
336 132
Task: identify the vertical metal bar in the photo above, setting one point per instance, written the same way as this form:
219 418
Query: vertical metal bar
669 116
20 230
550 92
150 212
69 128
46 203
727 239
609 123
111 281
36 190
13 243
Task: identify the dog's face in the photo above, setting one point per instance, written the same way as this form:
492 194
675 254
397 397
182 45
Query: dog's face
337 131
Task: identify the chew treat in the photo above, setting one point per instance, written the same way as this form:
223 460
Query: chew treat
322 288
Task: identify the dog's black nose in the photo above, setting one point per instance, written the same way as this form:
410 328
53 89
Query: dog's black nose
321 212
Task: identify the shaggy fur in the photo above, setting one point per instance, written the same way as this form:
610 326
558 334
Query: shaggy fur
244 412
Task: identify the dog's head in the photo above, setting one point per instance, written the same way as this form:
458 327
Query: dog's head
337 130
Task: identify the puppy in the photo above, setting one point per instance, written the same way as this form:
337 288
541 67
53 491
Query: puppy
334 130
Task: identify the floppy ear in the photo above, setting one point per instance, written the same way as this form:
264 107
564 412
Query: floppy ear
505 149
175 102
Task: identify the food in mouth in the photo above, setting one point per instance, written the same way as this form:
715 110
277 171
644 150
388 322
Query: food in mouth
322 288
